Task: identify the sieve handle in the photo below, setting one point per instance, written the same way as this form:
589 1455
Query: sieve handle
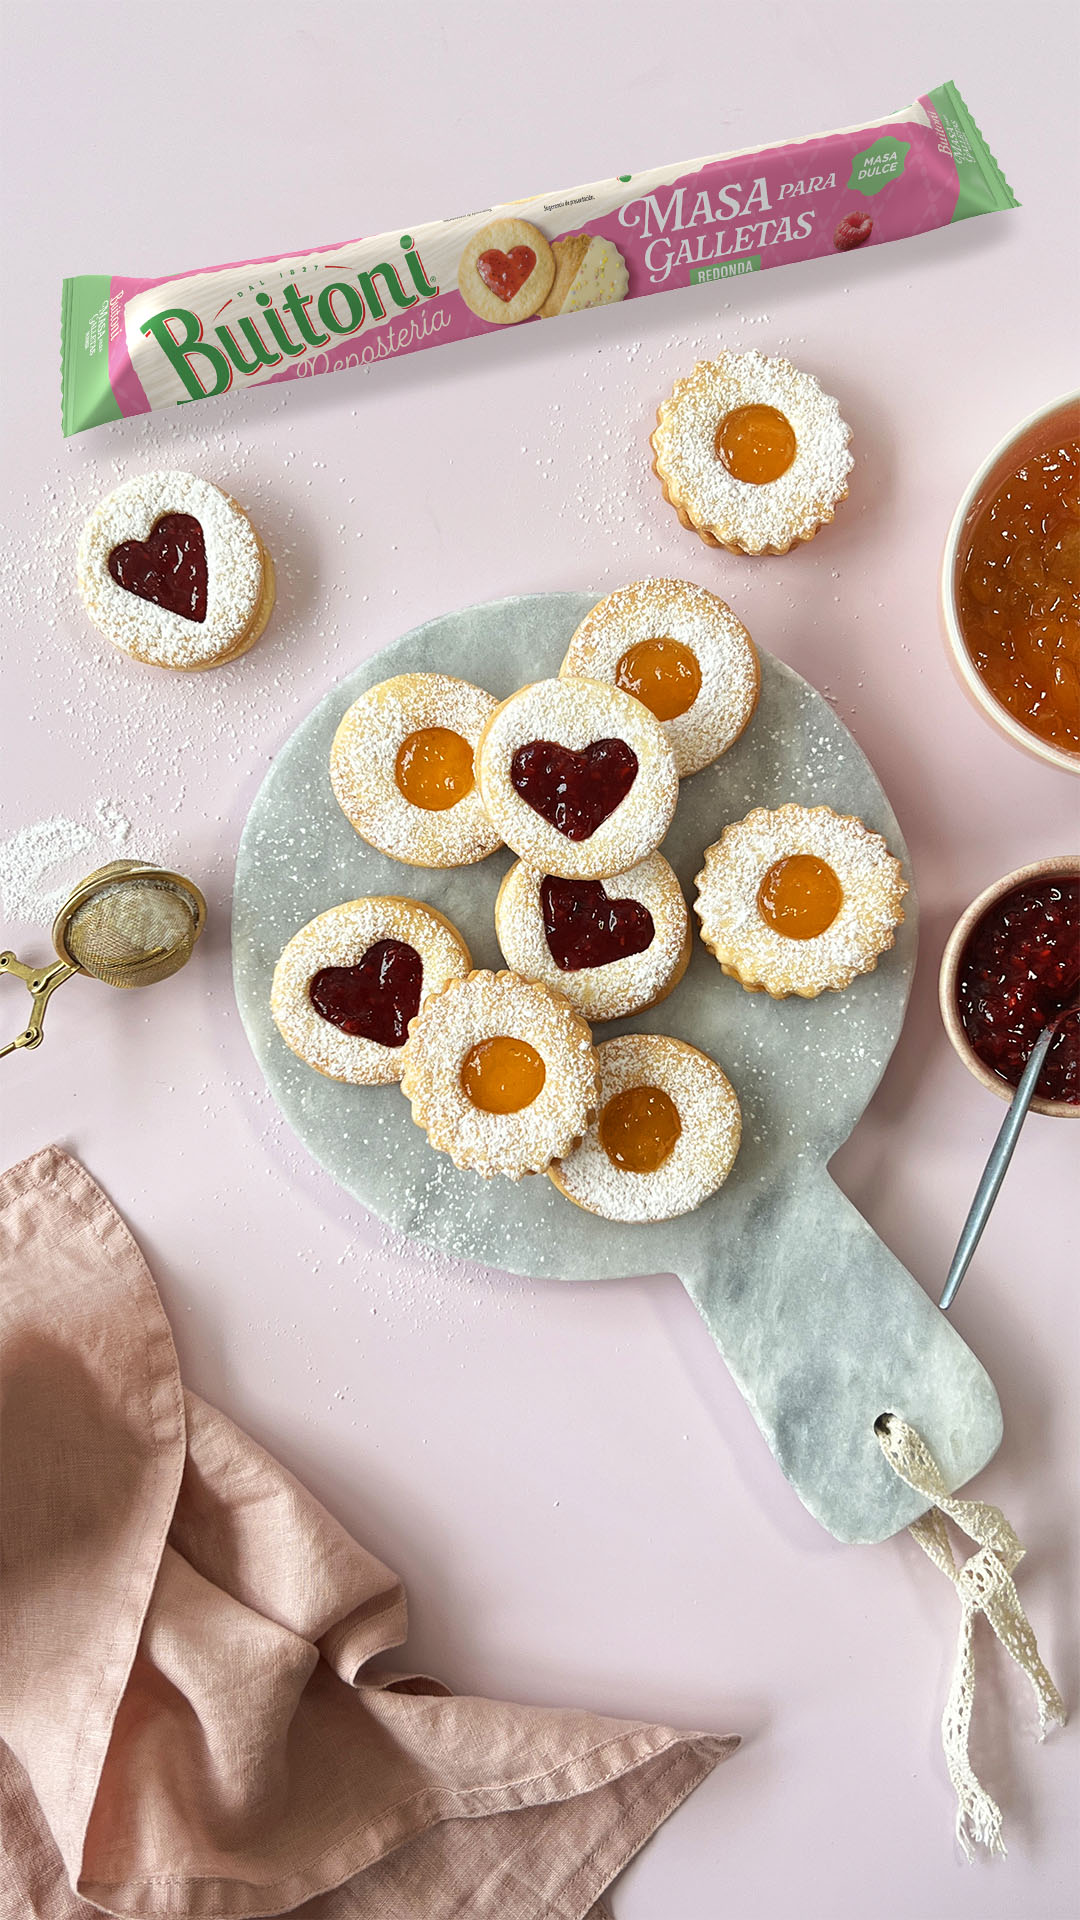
40 983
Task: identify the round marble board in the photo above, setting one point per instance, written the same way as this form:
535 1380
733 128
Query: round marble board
821 1326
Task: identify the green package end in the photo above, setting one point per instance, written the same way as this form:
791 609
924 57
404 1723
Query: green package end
86 398
983 186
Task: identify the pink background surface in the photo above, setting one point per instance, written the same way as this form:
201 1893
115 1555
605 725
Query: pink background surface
571 1486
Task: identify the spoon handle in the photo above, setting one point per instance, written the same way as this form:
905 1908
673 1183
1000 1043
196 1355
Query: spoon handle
994 1172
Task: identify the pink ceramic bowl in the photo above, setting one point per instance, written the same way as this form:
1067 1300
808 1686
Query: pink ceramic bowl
1066 865
1038 431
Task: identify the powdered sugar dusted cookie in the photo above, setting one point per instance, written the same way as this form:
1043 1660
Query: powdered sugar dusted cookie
577 777
751 453
613 947
172 571
666 1135
506 271
799 900
589 272
501 1074
401 767
348 984
680 650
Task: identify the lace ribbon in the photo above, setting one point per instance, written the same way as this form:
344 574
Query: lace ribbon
985 1585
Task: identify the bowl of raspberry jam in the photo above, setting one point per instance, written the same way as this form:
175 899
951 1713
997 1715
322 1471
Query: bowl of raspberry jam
1010 585
1011 963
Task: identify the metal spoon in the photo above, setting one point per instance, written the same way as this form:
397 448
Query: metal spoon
1000 1154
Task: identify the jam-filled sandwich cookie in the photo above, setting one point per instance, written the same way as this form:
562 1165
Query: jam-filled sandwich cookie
171 570
506 272
577 777
613 947
589 272
751 453
348 984
666 1135
679 650
800 900
501 1074
401 767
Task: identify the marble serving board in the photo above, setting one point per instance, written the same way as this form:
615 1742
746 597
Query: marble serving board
821 1326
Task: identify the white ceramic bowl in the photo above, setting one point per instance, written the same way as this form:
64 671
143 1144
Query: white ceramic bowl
1037 431
1065 866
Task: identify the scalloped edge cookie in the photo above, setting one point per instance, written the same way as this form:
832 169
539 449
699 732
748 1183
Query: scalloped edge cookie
478 1008
737 514
763 960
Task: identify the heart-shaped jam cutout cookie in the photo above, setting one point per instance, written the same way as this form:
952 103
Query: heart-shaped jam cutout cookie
376 999
504 274
575 792
169 567
583 928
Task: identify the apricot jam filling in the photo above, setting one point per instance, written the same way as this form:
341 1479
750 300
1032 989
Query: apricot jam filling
663 674
800 897
434 769
756 444
639 1128
1019 594
501 1075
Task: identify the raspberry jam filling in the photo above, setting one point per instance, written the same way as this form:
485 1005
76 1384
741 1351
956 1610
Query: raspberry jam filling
434 768
168 567
1019 594
800 897
574 792
756 444
376 999
1021 965
663 674
504 274
583 928
502 1075
639 1128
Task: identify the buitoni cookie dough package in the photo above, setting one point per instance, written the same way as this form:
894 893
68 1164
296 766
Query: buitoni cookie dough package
130 346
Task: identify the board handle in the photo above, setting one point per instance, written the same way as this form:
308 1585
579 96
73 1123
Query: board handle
826 1333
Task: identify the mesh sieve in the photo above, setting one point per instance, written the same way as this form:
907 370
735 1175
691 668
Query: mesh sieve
130 925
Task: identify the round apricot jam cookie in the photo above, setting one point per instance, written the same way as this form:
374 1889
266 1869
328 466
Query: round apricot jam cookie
666 1135
348 984
172 571
577 777
401 767
613 947
679 650
751 453
799 900
506 272
501 1073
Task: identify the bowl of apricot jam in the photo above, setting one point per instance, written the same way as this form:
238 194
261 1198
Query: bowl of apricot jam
1010 585
1011 963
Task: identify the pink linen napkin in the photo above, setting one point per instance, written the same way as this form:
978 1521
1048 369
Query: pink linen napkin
188 1722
